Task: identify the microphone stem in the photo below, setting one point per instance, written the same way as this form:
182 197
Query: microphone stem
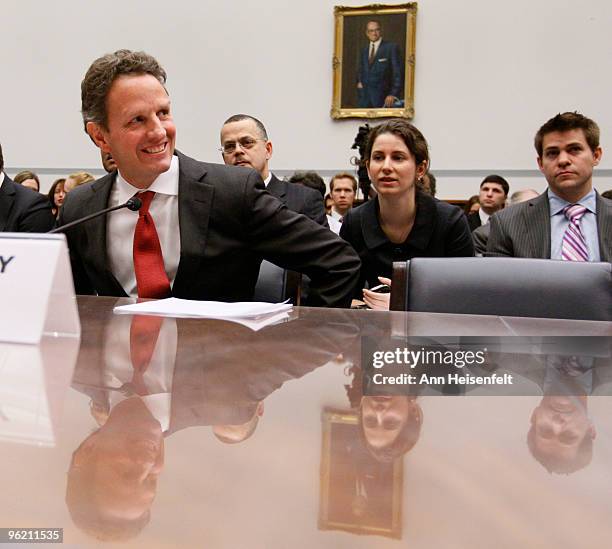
86 218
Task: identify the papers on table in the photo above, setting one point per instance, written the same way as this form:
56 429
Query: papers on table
253 315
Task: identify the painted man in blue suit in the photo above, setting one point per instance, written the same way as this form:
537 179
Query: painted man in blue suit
380 74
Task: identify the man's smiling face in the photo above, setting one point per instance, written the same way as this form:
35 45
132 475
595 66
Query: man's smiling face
140 133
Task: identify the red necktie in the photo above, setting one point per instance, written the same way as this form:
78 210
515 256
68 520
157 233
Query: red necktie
144 333
151 277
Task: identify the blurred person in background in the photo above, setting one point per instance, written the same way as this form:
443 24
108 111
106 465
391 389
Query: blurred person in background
28 179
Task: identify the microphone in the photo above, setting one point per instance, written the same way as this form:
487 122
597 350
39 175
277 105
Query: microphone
133 204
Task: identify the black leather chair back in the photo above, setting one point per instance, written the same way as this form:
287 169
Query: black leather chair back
275 284
504 286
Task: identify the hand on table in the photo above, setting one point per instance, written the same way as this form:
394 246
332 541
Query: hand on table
377 301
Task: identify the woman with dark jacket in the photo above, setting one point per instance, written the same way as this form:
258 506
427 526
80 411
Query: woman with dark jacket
401 222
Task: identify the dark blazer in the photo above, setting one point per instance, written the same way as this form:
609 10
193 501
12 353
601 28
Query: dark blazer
238 368
23 210
300 199
383 77
523 230
480 236
474 220
440 230
228 222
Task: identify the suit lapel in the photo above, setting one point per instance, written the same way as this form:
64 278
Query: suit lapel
98 200
536 220
604 228
7 198
278 189
195 203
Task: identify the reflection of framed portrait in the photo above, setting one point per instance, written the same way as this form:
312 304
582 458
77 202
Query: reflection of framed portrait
374 61
358 493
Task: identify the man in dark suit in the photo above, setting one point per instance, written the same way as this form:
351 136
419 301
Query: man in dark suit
380 74
22 210
569 221
491 197
244 142
203 228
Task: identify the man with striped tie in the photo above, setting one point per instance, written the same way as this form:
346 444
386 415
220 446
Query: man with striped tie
570 221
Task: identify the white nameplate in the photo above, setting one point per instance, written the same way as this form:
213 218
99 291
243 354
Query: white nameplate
36 288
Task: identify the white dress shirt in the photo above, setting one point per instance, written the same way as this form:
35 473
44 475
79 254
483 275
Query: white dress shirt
121 225
484 216
158 375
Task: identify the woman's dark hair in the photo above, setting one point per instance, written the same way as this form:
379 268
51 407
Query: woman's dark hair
412 137
51 193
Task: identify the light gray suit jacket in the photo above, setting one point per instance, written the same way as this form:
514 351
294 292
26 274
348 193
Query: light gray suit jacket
523 230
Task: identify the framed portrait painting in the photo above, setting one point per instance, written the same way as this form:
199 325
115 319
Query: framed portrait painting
374 58
358 494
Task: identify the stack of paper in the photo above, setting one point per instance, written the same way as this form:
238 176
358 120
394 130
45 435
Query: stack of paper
254 315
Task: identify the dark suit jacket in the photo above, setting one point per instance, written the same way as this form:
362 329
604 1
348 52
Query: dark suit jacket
439 230
383 77
523 230
474 220
480 236
300 199
23 210
237 369
228 222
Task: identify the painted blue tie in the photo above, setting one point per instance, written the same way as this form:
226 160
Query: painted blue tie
574 246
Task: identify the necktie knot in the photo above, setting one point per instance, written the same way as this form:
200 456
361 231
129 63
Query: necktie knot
574 212
145 198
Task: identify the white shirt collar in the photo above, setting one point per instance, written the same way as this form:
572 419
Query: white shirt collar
268 179
1 178
165 183
376 44
484 216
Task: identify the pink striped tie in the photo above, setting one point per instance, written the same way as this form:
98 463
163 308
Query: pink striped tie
574 246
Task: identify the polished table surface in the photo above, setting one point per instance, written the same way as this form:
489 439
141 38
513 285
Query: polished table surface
245 438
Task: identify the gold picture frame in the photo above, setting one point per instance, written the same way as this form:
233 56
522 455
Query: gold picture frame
365 81
358 494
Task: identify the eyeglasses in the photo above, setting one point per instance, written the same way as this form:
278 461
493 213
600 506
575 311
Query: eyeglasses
245 143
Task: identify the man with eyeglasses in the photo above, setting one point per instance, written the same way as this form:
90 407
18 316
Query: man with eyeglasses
244 142
202 229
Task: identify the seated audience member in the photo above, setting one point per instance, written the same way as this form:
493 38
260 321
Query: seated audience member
428 183
480 235
203 228
22 209
492 198
244 142
570 221
76 179
56 195
28 179
311 180
108 162
328 204
472 205
401 222
607 194
342 189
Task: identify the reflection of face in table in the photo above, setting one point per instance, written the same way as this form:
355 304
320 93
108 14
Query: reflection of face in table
470 479
390 425
112 480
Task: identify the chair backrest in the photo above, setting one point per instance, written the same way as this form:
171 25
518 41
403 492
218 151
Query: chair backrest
504 286
276 284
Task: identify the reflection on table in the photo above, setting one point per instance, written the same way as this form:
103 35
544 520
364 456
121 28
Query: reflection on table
179 432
